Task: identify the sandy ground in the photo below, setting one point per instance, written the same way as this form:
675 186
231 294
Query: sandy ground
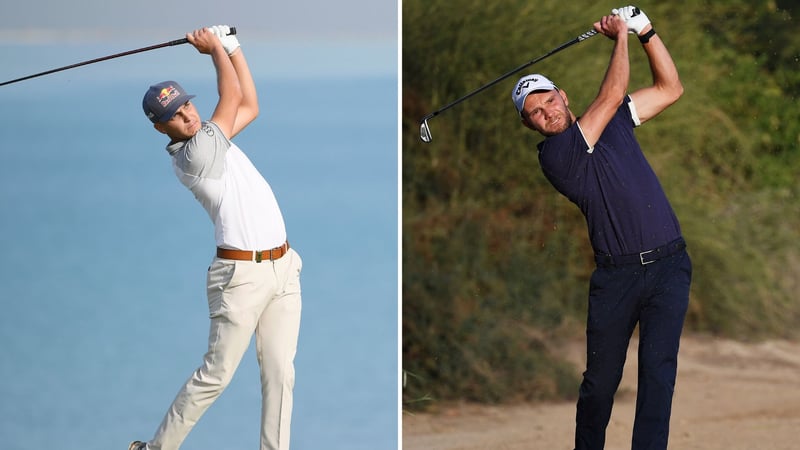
729 395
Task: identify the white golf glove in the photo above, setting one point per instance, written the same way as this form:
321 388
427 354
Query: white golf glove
634 18
229 42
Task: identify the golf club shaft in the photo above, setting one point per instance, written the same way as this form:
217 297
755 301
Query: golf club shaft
104 58
580 38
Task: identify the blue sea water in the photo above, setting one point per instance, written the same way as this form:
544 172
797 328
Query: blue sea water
104 254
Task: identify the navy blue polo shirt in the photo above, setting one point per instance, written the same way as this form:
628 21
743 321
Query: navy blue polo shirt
614 186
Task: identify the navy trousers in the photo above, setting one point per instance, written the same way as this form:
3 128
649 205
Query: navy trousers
654 296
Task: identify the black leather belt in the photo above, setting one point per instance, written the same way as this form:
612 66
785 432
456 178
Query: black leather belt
643 258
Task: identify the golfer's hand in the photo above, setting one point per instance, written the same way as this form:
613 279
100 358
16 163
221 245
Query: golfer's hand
204 40
229 42
634 18
612 26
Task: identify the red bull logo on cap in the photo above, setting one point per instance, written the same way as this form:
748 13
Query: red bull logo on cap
167 95
162 100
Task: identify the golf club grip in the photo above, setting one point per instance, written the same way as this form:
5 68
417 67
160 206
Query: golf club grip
186 41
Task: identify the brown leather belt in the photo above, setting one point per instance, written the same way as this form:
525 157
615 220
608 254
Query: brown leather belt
253 255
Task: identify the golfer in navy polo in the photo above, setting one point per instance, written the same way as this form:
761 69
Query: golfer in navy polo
643 272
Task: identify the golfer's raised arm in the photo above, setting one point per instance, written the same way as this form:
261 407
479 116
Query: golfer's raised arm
666 88
248 108
230 93
612 92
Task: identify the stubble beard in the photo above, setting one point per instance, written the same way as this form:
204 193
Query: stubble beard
565 121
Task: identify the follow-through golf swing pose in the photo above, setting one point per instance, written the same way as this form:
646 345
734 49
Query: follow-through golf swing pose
643 272
253 282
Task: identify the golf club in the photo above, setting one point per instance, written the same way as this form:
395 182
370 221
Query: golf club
104 58
424 129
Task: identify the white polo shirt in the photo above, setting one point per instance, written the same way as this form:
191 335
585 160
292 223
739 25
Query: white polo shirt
238 199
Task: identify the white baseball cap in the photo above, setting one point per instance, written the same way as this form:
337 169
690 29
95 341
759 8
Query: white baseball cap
526 85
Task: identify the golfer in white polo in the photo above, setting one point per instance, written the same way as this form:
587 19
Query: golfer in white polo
254 281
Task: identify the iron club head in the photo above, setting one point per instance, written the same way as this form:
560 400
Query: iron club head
425 131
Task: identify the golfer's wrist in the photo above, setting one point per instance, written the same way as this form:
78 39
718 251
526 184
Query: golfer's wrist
644 38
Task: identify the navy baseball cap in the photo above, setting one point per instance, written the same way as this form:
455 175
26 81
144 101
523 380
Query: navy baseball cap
162 100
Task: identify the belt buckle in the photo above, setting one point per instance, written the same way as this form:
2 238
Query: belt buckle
641 257
258 255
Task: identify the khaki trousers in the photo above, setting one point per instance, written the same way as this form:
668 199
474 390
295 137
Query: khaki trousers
244 297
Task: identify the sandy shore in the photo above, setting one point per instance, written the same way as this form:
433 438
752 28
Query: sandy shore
729 395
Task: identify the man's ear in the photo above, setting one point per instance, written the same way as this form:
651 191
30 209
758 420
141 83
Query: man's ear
160 128
564 96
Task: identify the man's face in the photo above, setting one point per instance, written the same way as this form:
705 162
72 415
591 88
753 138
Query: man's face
183 125
547 112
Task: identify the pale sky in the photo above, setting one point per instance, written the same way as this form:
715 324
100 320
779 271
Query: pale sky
306 20
292 37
